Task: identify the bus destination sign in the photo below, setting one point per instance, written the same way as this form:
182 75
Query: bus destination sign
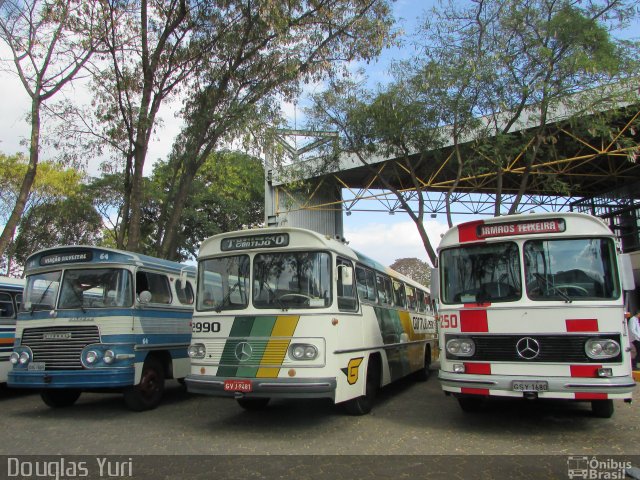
57 258
552 225
255 241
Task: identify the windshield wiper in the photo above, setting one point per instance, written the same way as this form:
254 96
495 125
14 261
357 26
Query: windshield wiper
225 301
33 306
552 287
275 297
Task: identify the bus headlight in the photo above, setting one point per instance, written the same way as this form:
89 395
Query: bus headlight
197 350
14 358
461 347
598 348
91 357
109 357
24 358
303 351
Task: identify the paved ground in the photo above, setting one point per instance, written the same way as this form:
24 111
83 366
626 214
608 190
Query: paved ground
409 419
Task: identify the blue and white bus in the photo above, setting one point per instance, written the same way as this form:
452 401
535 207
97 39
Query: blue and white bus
99 319
10 300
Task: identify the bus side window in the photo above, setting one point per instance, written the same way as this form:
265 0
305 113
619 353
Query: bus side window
411 297
421 304
156 283
184 292
6 306
365 280
384 290
399 296
346 293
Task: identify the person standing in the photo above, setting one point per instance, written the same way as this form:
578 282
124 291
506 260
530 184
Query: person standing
634 338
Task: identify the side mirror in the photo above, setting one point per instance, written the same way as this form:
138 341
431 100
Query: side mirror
346 274
626 272
183 277
435 284
144 297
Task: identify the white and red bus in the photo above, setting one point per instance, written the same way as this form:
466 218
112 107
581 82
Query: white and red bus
532 306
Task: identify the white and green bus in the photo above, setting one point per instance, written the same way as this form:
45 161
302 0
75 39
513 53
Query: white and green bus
290 313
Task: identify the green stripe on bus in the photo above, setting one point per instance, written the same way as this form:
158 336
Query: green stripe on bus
262 327
240 329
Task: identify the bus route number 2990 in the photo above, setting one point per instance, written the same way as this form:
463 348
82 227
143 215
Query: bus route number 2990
205 327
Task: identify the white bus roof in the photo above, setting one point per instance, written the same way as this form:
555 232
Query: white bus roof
11 282
534 225
258 239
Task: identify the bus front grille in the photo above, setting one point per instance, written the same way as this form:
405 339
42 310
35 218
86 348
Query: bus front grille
60 348
551 348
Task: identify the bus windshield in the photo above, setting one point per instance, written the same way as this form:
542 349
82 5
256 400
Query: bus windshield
292 279
481 273
577 269
223 283
41 291
96 288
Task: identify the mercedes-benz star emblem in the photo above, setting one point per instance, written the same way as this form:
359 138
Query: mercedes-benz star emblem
528 348
243 351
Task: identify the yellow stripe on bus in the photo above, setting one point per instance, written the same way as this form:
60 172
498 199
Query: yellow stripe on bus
277 348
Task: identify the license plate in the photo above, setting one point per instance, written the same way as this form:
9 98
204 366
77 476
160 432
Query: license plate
37 366
530 386
237 385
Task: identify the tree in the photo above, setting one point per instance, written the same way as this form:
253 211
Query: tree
53 183
50 42
414 268
227 195
485 67
260 52
151 50
68 221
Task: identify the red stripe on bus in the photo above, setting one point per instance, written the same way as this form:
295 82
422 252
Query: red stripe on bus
478 368
582 325
474 321
468 232
585 370
474 391
591 396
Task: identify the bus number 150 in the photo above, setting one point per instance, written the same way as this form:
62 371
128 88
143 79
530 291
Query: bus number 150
449 321
206 327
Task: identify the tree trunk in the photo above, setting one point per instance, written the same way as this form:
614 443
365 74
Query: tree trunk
29 178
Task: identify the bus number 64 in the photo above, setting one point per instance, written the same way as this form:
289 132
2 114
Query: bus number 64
449 321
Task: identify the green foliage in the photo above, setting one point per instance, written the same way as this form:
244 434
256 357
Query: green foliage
227 194
66 221
414 268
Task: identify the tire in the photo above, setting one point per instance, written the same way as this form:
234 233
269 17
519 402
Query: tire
59 398
253 404
362 405
422 375
602 408
471 404
148 393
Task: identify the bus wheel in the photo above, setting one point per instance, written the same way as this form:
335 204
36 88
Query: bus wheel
55 398
253 403
362 405
422 375
148 393
470 404
602 408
